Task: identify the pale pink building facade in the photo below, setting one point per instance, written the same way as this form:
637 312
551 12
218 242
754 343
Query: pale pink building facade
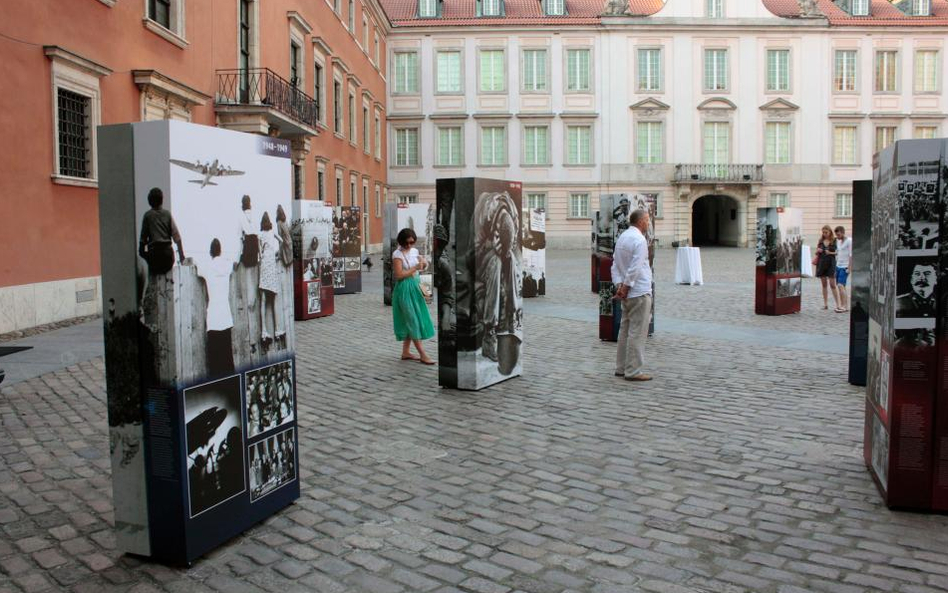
716 107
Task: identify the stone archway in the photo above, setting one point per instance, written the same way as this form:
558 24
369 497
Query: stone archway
717 220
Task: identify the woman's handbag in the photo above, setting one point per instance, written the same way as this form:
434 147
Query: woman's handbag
816 260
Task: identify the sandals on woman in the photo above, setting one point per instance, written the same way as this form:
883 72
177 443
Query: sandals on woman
428 362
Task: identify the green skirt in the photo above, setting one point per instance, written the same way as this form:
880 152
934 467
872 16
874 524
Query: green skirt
410 311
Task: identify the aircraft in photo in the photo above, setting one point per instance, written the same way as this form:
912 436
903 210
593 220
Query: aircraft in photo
208 170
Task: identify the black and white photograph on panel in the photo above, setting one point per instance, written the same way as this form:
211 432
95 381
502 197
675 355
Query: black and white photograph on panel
313 302
918 213
270 398
534 252
874 366
444 249
880 451
915 339
789 240
607 294
789 287
612 220
272 463
338 279
767 231
916 280
215 443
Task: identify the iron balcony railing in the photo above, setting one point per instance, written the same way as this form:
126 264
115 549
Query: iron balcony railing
719 173
262 86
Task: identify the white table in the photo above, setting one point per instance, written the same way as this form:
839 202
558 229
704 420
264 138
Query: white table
806 262
688 266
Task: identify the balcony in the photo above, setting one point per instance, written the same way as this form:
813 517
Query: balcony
258 99
719 173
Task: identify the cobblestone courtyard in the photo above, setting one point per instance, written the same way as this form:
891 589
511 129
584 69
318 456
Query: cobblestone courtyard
739 469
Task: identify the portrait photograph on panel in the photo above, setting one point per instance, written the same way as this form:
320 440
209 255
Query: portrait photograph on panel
313 302
272 463
215 443
916 282
270 398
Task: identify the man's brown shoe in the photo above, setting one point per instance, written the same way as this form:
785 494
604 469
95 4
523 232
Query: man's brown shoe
639 377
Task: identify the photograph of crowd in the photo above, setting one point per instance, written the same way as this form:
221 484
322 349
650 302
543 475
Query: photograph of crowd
215 443
271 401
534 252
272 463
789 287
918 214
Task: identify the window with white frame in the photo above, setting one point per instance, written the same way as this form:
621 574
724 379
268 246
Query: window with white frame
844 70
319 84
365 198
493 145
73 118
555 7
650 69
780 199
715 70
778 70
427 9
365 34
579 205
449 71
406 147
926 132
489 7
844 205
321 183
777 143
887 71
337 106
336 6
844 144
449 146
492 71
714 8
860 7
921 7
406 72
649 142
534 70
297 181
353 181
378 202
408 199
926 71
338 188
536 145
352 16
579 145
366 130
352 118
378 135
536 200
578 71
377 47
885 135
717 143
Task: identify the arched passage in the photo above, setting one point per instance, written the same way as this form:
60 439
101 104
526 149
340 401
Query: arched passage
716 220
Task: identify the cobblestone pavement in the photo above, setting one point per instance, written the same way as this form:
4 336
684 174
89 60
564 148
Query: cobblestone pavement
738 469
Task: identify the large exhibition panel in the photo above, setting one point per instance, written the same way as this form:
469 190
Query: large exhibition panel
534 252
906 446
313 261
859 281
347 250
478 272
778 279
199 336
417 217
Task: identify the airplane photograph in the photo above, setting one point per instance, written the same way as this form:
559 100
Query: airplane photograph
208 170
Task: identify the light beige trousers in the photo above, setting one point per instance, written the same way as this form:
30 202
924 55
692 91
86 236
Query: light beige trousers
630 355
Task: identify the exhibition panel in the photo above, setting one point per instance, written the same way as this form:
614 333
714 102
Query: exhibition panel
313 262
480 284
197 287
778 283
417 217
347 250
534 252
859 281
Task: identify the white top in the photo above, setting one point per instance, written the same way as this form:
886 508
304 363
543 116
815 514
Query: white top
246 222
844 251
630 263
409 258
217 277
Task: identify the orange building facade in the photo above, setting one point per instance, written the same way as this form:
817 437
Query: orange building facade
312 72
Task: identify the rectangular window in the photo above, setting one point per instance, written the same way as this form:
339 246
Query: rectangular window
715 8
427 8
378 136
715 69
449 71
318 91
160 12
844 70
294 64
406 72
244 44
535 201
494 146
377 46
320 185
365 34
926 71
490 7
649 142
844 205
578 145
75 139
449 146
926 132
408 199
885 135
338 189
777 141
778 69
378 202
717 143
886 75
406 147
780 200
535 145
534 70
921 7
860 7
556 7
492 70
579 205
578 70
650 69
366 130
352 16
352 118
844 145
337 107
297 181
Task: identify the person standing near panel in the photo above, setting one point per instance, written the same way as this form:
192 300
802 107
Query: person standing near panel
825 258
409 310
844 253
632 276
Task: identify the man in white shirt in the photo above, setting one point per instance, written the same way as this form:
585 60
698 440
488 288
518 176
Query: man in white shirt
844 254
632 276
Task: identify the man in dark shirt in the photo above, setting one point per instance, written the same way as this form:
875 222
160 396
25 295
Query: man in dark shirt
921 301
158 232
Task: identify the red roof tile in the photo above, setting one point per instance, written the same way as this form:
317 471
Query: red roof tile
881 14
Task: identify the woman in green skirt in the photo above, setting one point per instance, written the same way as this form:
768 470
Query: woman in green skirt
409 309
